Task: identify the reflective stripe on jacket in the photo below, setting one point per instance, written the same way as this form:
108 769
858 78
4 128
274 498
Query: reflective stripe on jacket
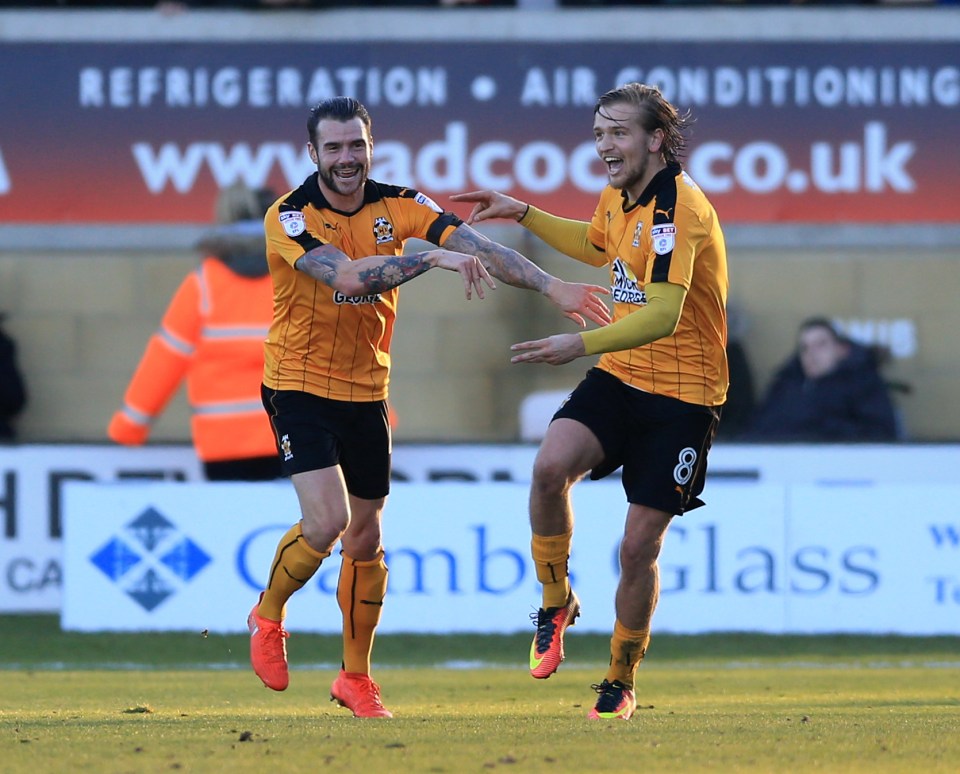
212 337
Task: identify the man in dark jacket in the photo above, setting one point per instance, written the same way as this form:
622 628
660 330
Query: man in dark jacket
13 393
831 390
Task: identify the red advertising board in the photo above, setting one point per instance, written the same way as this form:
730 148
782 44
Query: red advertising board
146 132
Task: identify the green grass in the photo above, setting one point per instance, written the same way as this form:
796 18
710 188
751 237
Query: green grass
37 641
719 703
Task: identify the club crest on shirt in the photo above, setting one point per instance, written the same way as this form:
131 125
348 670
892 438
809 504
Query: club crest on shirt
382 230
664 237
293 223
636 234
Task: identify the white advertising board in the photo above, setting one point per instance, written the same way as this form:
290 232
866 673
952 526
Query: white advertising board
31 508
32 480
758 557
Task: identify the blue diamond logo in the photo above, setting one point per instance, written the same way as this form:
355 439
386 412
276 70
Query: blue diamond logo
150 528
115 559
150 590
158 575
186 559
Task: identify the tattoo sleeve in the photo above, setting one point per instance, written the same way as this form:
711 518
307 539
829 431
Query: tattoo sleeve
321 263
505 264
394 271
377 274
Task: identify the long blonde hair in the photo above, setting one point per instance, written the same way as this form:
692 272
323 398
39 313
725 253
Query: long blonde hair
654 112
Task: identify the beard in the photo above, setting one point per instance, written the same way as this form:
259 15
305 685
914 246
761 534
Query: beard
339 186
634 177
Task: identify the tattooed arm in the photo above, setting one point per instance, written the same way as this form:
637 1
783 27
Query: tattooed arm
378 273
503 263
574 299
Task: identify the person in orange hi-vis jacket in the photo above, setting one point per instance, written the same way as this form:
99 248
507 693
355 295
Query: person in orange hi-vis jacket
211 336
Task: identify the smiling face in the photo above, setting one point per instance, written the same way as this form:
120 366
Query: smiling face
630 153
342 153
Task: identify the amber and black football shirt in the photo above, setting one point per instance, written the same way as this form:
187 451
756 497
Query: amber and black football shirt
321 341
670 234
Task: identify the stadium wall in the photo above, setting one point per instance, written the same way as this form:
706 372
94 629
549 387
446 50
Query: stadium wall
82 320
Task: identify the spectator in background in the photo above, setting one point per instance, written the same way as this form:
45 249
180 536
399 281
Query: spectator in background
741 395
13 391
830 390
212 337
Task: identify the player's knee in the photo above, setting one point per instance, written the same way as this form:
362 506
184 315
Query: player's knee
552 475
322 531
639 551
362 541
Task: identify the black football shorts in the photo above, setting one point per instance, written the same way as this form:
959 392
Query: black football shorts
661 442
314 433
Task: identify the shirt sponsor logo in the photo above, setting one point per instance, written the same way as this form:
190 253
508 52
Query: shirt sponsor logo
371 298
625 289
293 223
664 238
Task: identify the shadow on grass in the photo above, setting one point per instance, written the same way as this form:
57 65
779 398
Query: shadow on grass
36 641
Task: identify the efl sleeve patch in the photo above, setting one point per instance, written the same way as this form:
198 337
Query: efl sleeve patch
664 238
294 224
426 200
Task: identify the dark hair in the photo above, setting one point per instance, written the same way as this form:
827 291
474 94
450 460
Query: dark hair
821 322
655 112
337 109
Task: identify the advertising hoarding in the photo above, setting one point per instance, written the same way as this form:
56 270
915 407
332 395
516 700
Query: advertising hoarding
785 131
759 557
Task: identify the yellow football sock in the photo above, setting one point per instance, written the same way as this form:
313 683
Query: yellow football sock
627 648
293 565
550 556
360 592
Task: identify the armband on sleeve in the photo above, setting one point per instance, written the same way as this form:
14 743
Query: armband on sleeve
567 236
648 323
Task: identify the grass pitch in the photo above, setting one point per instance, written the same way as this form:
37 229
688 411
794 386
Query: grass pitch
706 704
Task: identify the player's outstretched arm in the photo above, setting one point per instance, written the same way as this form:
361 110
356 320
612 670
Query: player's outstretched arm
490 205
570 237
554 350
577 301
470 268
379 273
654 321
